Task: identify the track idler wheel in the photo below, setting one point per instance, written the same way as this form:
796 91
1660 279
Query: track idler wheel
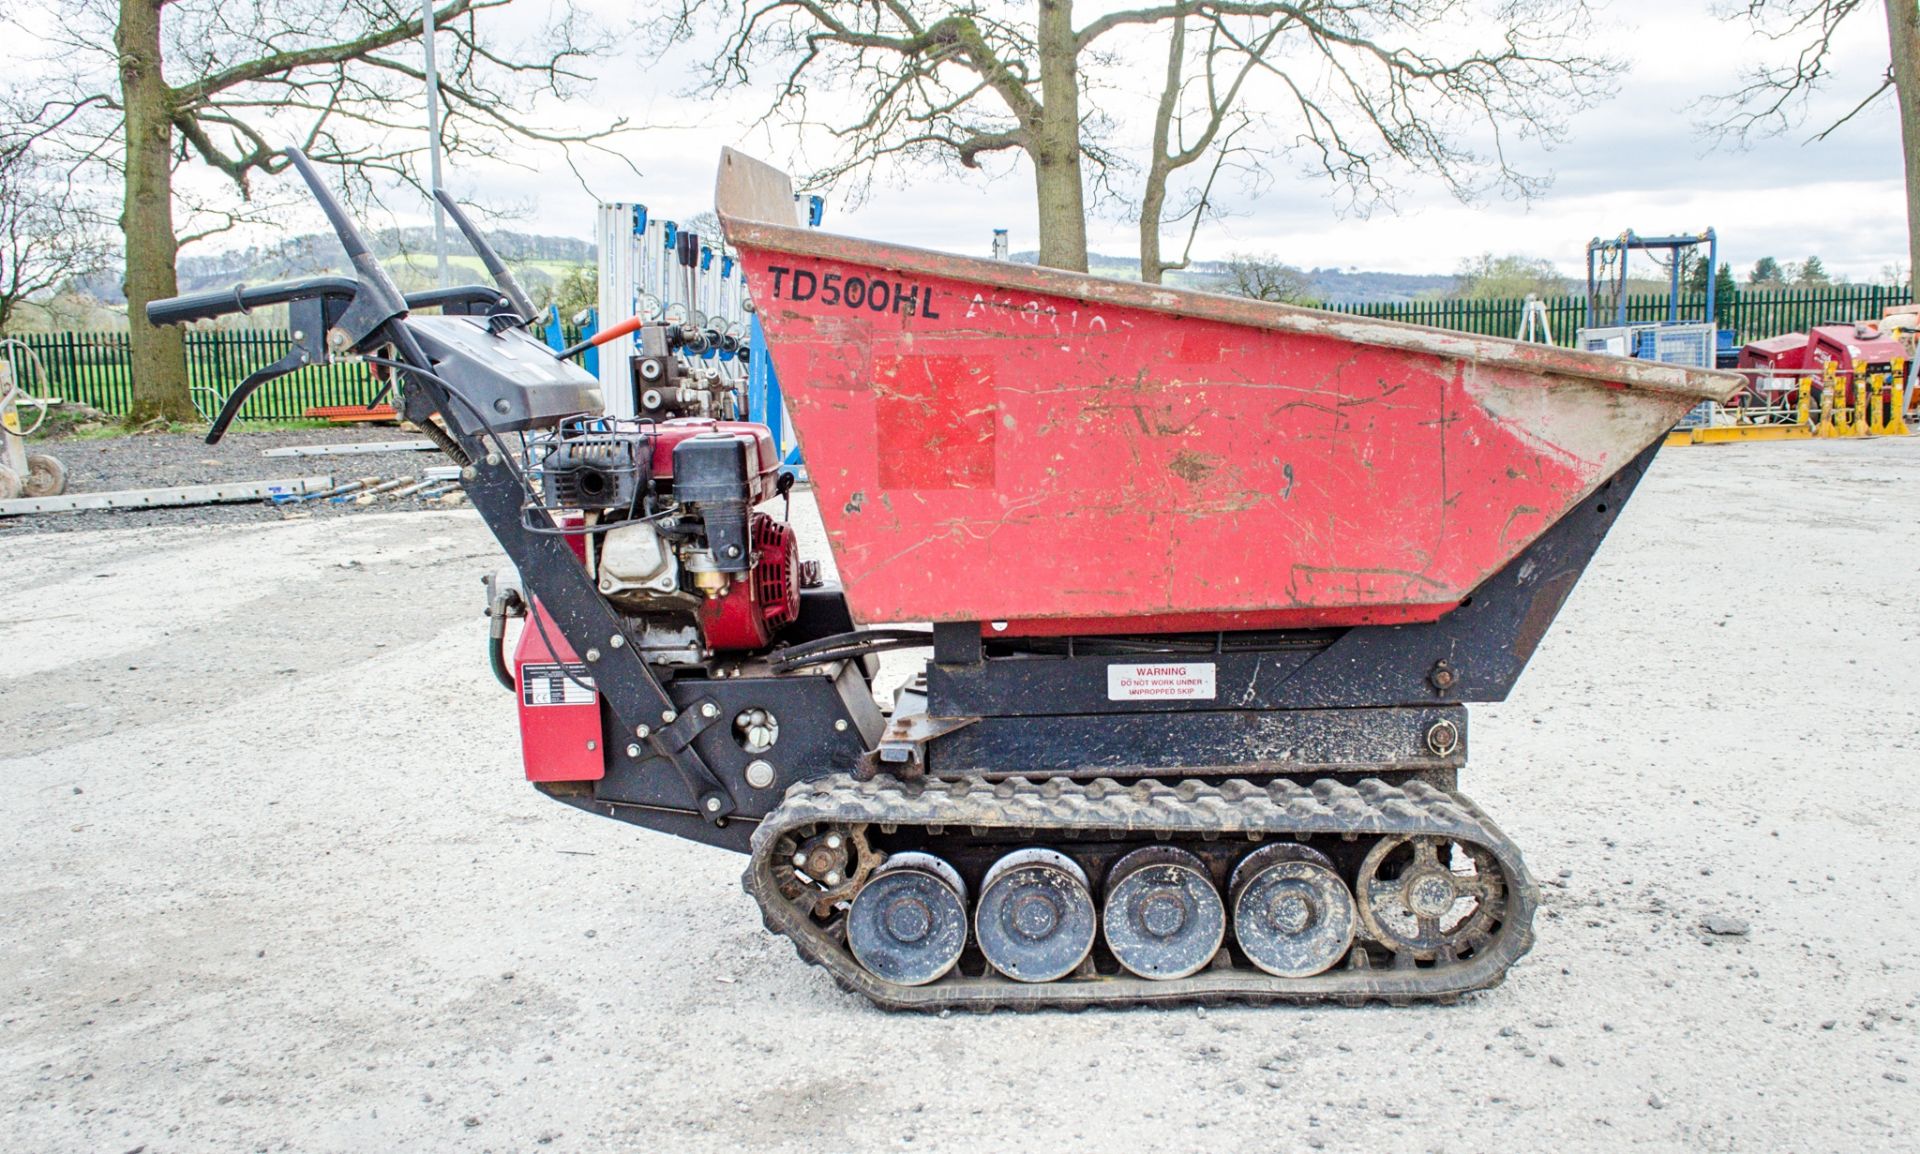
1414 901
1163 917
908 924
1036 920
1292 915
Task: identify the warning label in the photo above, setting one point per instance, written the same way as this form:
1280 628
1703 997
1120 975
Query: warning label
551 685
1167 681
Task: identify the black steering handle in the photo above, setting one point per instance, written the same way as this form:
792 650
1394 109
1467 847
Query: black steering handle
244 298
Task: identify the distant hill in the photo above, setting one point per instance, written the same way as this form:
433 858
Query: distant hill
317 253
1357 287
1345 286
538 256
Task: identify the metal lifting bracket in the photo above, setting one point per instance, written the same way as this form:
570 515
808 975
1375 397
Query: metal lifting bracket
676 741
595 632
691 723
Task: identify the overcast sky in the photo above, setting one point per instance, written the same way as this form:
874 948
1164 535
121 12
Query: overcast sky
1636 161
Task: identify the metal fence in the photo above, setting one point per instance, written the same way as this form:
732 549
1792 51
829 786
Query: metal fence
95 369
1751 315
92 368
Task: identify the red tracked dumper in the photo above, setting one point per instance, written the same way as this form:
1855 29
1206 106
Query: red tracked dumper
1210 583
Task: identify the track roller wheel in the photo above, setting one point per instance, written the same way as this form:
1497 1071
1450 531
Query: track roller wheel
1430 897
1292 915
908 924
1163 917
1036 920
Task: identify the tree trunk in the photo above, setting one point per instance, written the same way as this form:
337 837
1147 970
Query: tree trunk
1152 202
1903 36
1153 197
146 219
1055 147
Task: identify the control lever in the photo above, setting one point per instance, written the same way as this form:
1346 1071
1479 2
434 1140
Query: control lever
496 268
630 325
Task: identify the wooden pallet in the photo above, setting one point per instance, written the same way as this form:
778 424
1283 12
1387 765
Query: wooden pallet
351 414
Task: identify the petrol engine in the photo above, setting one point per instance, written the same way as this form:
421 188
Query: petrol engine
666 520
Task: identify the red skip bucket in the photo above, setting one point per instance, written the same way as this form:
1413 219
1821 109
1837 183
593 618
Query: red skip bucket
998 442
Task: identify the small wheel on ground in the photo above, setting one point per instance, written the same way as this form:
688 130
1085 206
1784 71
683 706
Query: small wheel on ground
908 924
46 476
1430 898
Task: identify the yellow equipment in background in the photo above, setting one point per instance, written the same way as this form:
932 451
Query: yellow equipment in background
1859 403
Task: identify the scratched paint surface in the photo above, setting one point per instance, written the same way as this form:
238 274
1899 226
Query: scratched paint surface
993 455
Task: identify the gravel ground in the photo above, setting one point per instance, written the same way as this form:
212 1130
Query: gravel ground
272 883
158 460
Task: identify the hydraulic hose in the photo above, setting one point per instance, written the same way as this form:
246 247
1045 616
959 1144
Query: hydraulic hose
497 660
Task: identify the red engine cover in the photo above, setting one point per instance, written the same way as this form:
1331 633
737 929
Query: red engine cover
763 456
751 611
1847 346
1788 351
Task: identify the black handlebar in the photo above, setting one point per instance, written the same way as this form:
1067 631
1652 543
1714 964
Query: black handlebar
461 297
361 306
243 298
496 268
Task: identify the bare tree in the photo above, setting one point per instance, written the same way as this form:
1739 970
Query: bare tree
47 238
1352 87
1267 278
1488 277
1777 92
155 87
1184 135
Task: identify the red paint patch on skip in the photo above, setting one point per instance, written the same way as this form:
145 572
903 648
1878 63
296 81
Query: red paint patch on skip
934 422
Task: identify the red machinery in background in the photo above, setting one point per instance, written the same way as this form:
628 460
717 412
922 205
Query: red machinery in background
1842 354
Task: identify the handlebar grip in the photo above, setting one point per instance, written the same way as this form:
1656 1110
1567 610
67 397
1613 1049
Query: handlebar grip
195 307
458 295
240 298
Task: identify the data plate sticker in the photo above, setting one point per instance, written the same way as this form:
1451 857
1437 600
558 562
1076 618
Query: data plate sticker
550 685
1163 681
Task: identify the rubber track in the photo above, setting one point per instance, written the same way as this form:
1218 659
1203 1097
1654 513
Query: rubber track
1190 809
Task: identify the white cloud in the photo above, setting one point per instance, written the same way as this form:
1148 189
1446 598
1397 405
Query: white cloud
1636 162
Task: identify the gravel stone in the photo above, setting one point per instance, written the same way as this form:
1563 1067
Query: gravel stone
368 815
